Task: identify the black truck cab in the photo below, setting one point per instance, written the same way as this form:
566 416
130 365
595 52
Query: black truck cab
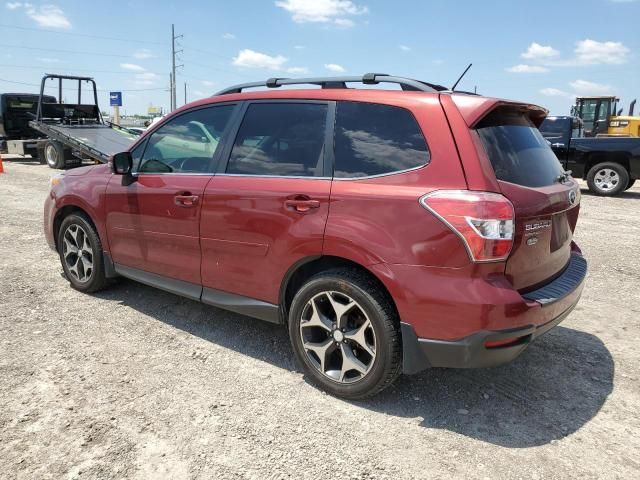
16 110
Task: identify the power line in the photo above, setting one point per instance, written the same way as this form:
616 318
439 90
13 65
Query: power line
211 54
75 89
51 67
78 52
129 40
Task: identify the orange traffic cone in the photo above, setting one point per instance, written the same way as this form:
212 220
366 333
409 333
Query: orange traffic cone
1 167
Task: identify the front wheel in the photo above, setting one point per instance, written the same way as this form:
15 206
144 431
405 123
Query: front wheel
80 252
630 184
344 333
607 179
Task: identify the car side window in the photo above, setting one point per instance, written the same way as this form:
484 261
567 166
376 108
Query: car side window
187 143
284 139
374 139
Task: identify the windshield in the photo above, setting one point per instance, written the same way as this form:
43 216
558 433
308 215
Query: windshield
26 102
555 126
517 150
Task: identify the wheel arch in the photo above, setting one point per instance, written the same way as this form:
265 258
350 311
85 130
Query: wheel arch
621 158
64 212
305 268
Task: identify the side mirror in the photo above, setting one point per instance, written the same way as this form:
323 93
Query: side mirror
122 164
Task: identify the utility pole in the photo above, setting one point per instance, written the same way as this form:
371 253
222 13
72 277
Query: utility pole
185 93
174 66
170 91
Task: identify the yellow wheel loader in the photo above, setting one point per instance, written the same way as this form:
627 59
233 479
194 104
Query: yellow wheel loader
601 117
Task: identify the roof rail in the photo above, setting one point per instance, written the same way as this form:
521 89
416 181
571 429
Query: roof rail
407 84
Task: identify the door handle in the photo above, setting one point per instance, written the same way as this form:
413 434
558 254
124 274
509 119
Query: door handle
186 200
301 205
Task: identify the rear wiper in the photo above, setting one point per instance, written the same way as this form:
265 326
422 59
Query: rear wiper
564 176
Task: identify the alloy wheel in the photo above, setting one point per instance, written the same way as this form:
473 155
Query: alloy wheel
51 155
338 337
77 253
606 179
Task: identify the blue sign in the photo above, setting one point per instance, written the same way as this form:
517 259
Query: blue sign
115 99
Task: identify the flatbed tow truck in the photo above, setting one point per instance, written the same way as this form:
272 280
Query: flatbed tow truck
76 131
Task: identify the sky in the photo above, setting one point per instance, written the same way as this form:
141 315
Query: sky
544 52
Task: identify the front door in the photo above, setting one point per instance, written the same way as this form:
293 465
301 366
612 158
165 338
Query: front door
267 208
153 224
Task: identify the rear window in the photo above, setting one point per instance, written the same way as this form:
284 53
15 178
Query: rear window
372 139
517 150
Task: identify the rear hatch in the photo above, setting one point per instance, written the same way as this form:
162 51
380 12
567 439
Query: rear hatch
545 200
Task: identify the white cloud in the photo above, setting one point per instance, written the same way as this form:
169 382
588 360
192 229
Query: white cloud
145 78
297 70
438 61
553 92
132 67
405 48
199 93
48 60
334 67
344 22
584 87
142 54
208 83
592 52
50 16
322 11
537 52
299 47
228 36
252 59
522 68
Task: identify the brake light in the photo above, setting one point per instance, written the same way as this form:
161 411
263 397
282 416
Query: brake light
483 220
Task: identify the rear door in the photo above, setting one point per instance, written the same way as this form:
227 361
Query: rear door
546 202
267 206
154 224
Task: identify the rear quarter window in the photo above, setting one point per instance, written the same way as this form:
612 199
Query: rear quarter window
373 139
517 150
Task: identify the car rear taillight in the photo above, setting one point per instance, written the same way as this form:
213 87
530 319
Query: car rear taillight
483 220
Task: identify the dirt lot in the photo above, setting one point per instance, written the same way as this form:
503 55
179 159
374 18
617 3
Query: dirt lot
138 383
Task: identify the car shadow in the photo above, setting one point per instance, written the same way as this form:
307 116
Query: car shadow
554 388
630 194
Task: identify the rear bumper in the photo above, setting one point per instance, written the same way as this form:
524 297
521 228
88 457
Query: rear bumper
488 348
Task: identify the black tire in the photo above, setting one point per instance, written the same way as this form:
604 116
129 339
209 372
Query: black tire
386 366
41 157
96 280
618 187
630 184
54 154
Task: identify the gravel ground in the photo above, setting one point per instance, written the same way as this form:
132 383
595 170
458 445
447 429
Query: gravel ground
137 383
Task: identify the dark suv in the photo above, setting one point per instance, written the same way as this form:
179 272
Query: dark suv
390 230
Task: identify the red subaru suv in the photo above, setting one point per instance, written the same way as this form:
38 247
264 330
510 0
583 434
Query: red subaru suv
390 230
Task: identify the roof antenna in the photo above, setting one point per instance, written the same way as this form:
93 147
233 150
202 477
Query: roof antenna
453 89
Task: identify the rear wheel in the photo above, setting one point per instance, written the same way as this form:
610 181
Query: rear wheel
81 254
630 184
54 154
345 334
607 179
